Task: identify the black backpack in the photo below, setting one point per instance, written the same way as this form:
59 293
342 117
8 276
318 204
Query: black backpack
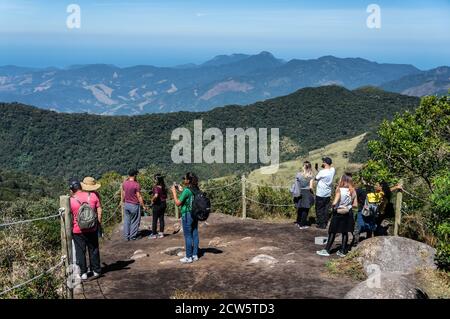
201 205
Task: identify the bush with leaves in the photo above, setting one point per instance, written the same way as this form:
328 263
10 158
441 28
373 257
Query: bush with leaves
441 218
415 148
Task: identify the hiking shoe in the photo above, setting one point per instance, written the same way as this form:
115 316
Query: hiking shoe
84 276
160 235
186 260
323 252
340 254
194 258
152 236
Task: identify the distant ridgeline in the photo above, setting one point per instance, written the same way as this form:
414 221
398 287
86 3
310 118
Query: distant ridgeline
65 145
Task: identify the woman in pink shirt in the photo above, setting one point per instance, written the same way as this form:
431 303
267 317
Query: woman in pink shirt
85 238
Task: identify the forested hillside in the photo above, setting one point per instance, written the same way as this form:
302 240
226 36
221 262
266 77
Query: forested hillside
56 144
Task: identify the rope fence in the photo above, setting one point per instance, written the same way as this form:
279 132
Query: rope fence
221 187
265 185
29 220
268 204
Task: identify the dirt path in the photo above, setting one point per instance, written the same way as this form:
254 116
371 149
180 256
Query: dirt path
225 269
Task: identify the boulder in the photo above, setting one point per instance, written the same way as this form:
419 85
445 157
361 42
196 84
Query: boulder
138 256
215 241
386 285
395 254
173 251
264 259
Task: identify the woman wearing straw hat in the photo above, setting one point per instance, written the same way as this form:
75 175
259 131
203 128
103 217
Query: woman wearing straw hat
89 184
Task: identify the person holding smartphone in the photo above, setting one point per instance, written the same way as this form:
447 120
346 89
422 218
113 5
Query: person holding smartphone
190 224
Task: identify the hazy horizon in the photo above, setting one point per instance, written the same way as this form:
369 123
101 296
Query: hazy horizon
122 66
175 32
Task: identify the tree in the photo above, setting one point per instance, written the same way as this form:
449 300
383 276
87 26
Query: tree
416 146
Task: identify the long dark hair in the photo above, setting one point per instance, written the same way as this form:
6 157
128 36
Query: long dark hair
386 190
159 179
193 180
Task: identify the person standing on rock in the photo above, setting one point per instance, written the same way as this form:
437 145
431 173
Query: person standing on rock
342 220
190 224
324 181
132 202
304 182
159 206
85 238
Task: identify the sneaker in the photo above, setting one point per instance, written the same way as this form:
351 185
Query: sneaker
323 252
304 227
160 235
96 274
152 236
84 276
186 260
194 258
340 254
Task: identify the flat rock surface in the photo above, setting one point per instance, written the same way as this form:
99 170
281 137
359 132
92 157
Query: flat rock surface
225 270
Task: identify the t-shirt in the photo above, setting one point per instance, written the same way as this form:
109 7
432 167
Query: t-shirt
162 196
186 198
325 180
130 189
94 202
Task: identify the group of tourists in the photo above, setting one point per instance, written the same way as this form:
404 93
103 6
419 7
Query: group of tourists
133 201
373 205
86 208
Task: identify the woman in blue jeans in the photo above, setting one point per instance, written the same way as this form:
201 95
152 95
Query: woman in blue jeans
190 225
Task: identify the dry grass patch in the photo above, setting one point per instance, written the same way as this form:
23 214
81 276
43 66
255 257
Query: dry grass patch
435 282
348 266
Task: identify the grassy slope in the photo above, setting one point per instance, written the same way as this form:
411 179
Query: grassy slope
338 151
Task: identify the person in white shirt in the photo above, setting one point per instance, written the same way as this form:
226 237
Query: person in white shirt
324 181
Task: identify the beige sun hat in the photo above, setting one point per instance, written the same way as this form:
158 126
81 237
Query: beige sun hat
90 184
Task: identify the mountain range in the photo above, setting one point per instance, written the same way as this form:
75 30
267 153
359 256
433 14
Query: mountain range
226 79
48 143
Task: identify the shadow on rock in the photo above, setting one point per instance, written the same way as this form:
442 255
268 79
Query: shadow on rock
118 265
203 251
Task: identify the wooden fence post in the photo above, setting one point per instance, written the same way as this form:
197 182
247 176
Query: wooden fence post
244 202
66 241
398 212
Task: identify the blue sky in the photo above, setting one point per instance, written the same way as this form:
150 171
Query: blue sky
171 32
